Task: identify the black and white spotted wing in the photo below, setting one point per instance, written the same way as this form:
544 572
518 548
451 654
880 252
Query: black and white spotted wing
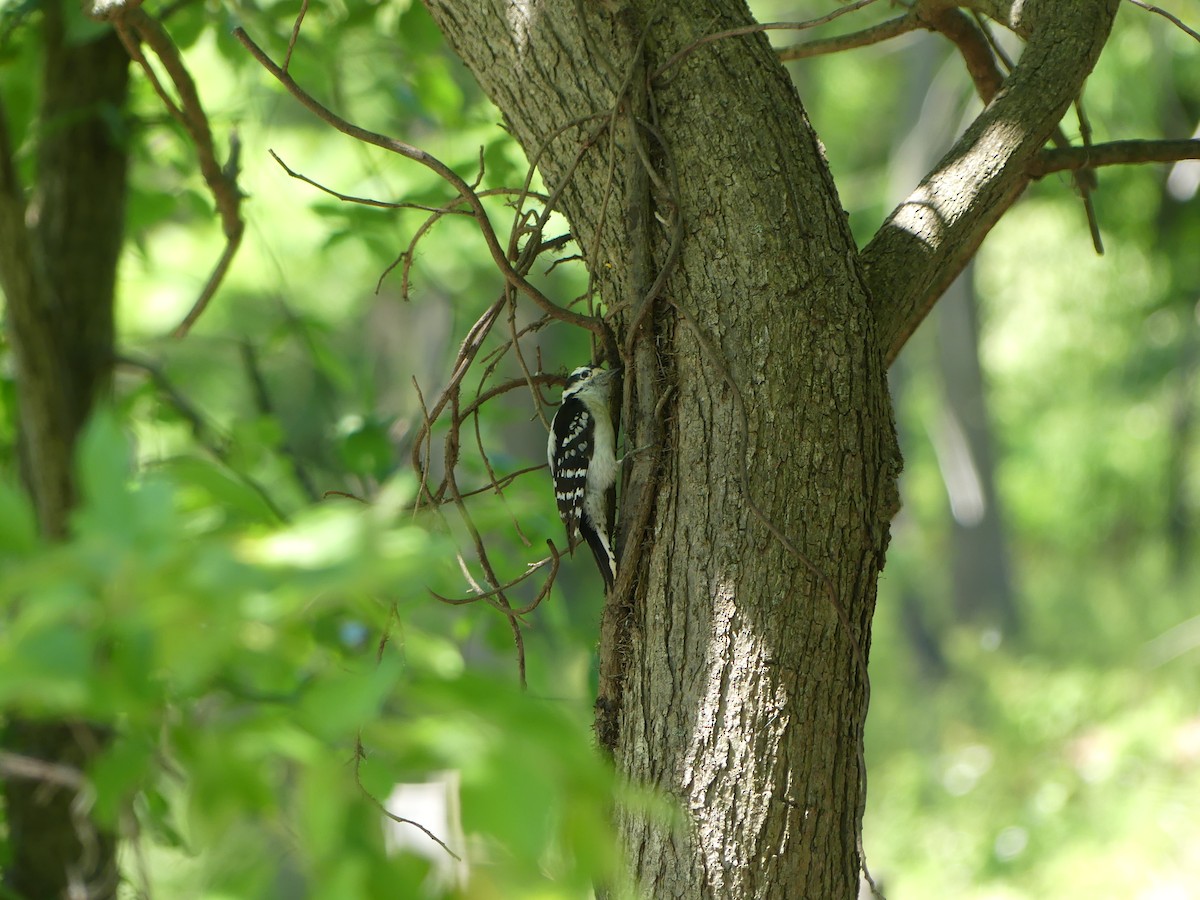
572 442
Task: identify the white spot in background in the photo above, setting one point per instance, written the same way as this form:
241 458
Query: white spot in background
433 804
965 769
1011 842
1184 178
964 487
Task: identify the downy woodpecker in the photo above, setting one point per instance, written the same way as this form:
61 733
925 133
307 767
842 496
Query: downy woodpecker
583 462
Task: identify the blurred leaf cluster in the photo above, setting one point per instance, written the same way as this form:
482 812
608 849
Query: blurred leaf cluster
243 664
245 594
227 621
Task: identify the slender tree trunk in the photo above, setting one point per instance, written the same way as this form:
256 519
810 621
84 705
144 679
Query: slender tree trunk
980 565
58 261
728 679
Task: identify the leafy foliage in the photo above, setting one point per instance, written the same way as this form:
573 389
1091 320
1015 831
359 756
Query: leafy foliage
263 644
229 623
241 665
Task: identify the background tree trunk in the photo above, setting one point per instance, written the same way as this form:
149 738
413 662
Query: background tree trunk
979 558
59 272
731 684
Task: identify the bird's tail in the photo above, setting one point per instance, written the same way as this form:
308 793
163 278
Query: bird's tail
605 560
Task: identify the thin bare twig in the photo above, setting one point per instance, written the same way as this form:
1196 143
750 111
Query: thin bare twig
28 768
874 35
498 490
135 27
466 355
364 201
360 754
755 29
554 559
504 480
287 59
427 433
434 164
1085 178
498 599
1176 21
975 44
1114 153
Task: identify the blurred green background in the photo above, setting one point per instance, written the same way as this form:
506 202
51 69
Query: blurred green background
1035 719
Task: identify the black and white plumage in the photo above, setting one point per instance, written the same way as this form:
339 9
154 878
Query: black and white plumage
583 462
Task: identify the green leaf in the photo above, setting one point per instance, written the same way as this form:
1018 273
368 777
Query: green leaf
124 765
367 451
215 488
155 814
103 463
81 28
46 668
337 704
18 525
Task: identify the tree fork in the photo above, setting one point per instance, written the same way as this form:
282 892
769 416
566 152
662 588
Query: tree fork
740 696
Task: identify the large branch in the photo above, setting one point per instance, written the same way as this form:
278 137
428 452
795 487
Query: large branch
932 234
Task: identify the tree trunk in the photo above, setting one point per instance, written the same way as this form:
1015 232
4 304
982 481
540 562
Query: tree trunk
728 680
58 274
752 531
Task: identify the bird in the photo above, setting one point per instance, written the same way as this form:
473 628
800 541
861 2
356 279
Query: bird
581 451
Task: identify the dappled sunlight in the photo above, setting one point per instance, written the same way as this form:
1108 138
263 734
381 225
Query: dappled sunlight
520 15
939 203
286 573
726 732
921 216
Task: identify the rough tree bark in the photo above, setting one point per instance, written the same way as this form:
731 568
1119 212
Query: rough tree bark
729 679
58 262
741 694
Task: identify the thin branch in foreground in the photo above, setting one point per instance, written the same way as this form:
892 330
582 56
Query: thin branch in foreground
875 34
232 242
976 46
360 754
504 480
28 768
499 600
1085 178
1178 23
553 559
363 201
1113 153
287 59
134 27
755 29
401 148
